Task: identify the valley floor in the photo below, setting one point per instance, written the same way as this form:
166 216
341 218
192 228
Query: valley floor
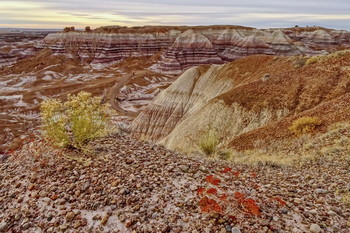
133 186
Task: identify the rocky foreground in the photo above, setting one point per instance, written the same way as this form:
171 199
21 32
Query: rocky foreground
133 186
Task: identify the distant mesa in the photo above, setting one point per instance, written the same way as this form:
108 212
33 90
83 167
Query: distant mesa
183 47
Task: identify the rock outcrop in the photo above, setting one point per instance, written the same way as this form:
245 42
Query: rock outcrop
17 45
184 47
108 47
253 96
189 49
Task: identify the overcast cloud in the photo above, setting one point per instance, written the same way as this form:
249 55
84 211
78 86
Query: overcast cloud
254 13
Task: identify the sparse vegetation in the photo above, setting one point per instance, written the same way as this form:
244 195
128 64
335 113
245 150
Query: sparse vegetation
69 29
322 58
77 121
305 125
88 29
209 143
300 62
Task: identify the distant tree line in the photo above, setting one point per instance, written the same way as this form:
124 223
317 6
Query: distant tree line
72 29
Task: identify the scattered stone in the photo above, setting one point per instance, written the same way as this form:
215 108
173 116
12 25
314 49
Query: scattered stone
63 227
313 211
105 219
235 230
70 216
115 183
314 228
97 217
26 225
321 191
3 226
129 223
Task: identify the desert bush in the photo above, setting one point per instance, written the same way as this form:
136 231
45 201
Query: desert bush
299 62
313 59
225 154
87 29
304 125
322 58
209 143
69 29
77 121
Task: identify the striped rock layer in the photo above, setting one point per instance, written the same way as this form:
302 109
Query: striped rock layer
182 48
242 106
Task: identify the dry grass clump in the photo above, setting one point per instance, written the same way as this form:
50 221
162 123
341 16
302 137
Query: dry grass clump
334 143
343 195
209 143
299 62
304 125
322 58
77 121
260 158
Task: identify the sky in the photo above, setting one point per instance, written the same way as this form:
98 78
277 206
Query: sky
57 14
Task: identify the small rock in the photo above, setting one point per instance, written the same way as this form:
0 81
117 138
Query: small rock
297 200
97 217
61 201
321 191
314 228
115 183
284 211
235 230
105 219
18 216
3 226
86 186
228 228
222 230
203 169
76 225
313 211
221 221
129 223
63 227
331 213
26 225
77 193
70 216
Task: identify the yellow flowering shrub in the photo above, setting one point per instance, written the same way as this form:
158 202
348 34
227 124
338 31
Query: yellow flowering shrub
77 121
304 125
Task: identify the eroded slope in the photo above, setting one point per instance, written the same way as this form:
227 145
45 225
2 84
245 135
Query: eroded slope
256 98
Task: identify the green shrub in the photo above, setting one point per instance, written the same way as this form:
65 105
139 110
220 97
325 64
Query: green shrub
209 143
304 125
77 121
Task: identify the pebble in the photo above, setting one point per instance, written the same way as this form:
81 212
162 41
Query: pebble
236 230
63 227
314 228
26 225
3 226
313 211
105 219
321 191
97 217
129 223
70 216
228 228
